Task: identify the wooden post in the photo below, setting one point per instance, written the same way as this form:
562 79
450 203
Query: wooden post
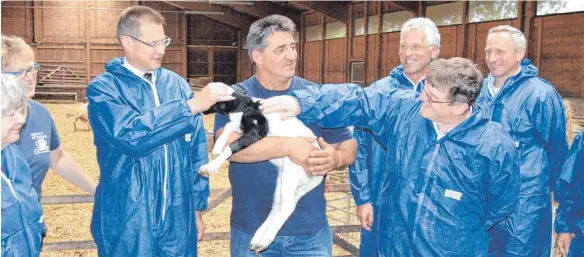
528 17
366 35
185 51
238 63
379 42
421 9
302 44
349 44
88 42
464 51
322 49
210 62
538 42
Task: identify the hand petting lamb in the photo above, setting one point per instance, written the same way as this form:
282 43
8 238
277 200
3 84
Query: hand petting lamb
247 119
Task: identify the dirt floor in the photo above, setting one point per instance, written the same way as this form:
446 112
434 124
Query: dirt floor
71 222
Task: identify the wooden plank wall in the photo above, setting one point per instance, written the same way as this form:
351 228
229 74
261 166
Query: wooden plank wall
555 46
67 33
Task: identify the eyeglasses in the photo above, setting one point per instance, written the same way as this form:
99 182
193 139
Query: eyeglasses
33 70
162 43
414 47
432 101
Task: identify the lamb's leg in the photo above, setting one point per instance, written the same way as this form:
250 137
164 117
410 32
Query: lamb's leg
276 206
287 205
304 189
222 140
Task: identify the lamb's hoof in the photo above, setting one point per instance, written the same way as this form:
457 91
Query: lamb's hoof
207 169
258 249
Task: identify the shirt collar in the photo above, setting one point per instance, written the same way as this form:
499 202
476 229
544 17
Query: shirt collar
415 85
491 84
136 71
440 135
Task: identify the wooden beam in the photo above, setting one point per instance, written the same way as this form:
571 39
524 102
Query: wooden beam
421 9
322 49
333 10
406 6
464 51
379 42
302 45
529 9
349 44
261 9
88 42
184 49
229 17
366 35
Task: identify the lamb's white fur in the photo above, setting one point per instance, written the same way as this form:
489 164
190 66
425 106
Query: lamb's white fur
287 194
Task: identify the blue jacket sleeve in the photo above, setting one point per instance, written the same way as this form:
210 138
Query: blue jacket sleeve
360 170
567 188
503 184
344 105
134 133
550 119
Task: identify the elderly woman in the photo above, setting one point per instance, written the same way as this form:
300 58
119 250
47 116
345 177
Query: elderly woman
22 213
39 140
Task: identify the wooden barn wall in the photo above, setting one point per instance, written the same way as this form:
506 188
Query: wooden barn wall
67 33
555 46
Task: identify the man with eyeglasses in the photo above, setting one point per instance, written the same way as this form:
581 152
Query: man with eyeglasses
452 173
532 112
150 144
419 45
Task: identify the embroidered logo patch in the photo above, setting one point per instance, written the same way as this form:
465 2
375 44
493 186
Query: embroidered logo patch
188 137
453 194
40 141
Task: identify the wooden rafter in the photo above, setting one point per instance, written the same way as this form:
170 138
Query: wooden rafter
334 10
229 17
262 9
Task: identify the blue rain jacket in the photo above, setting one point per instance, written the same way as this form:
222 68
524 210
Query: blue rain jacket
22 213
149 155
366 172
570 194
443 194
532 112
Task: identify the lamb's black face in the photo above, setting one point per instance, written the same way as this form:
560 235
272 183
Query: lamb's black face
241 103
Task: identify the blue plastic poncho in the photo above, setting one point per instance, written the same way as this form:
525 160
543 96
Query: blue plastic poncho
22 213
366 173
532 112
444 193
149 154
570 194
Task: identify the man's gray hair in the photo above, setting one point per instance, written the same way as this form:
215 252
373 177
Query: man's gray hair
457 76
260 30
518 37
13 94
129 23
426 25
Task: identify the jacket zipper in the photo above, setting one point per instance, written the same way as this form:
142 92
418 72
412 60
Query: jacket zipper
423 192
165 181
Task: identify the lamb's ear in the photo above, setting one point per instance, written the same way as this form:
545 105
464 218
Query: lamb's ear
239 89
256 100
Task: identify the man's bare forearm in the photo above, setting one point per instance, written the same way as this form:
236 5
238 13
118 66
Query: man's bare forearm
347 151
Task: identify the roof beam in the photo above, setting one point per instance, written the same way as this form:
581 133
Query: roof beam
263 9
407 6
333 10
229 17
